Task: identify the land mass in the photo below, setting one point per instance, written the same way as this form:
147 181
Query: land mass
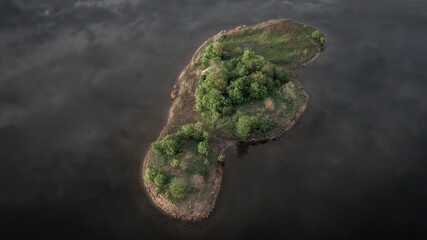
240 86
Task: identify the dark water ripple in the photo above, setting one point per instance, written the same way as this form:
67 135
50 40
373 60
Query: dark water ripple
84 89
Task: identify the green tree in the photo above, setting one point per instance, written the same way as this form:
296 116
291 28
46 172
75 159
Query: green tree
209 98
285 77
257 91
150 175
289 91
238 90
240 70
203 148
260 124
219 78
167 146
269 69
161 180
243 127
218 49
178 189
258 77
316 35
252 61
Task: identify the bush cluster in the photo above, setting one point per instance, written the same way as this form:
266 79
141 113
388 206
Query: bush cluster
160 178
245 125
178 190
236 81
318 37
170 145
167 146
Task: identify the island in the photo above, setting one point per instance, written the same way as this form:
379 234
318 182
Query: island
240 86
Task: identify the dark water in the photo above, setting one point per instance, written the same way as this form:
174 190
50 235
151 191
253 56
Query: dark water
84 89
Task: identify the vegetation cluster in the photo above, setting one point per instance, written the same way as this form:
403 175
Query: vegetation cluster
244 88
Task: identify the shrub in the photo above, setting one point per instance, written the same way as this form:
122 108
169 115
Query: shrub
257 91
317 35
206 136
289 91
240 70
243 127
178 189
260 125
175 162
219 78
238 89
210 53
223 36
322 40
161 180
149 175
206 162
218 49
167 146
258 77
221 158
285 77
269 69
203 148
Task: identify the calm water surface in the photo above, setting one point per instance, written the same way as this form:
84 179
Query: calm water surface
84 90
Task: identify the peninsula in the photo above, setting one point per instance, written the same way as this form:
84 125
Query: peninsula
240 86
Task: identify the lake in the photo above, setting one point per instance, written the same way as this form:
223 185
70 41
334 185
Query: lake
85 88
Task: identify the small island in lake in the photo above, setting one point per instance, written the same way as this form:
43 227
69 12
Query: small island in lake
240 86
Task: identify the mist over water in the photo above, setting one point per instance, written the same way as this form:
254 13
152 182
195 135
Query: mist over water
85 88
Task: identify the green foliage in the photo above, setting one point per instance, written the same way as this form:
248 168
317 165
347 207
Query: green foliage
204 148
206 162
211 99
269 69
318 37
178 189
218 48
211 52
194 131
243 127
285 77
161 180
258 91
221 158
252 61
260 124
258 77
223 36
234 82
289 91
167 146
219 78
238 90
240 70
206 136
175 163
150 175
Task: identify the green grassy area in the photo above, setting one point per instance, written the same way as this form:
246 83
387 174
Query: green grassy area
241 85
